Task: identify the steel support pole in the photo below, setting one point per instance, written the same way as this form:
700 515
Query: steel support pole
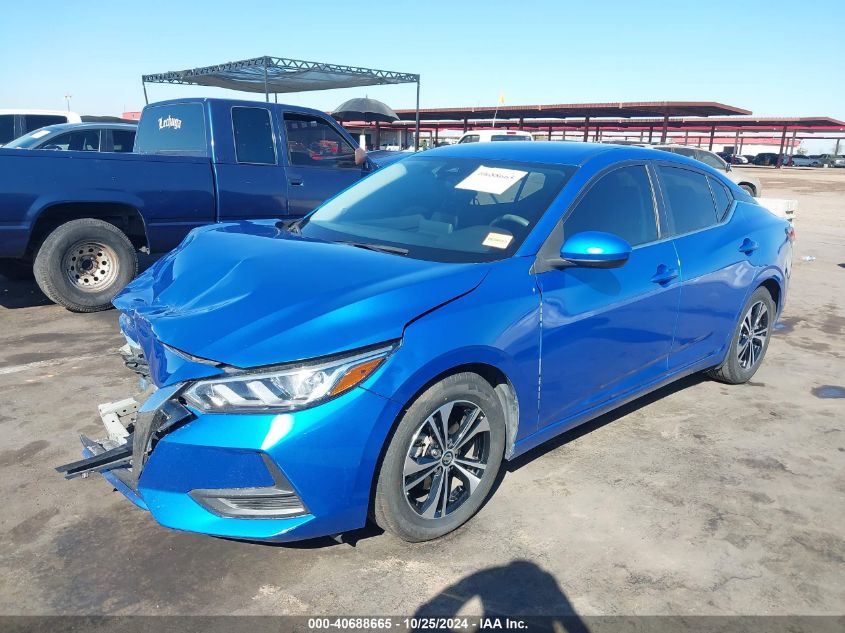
417 133
550 132
780 151
836 149
586 128
144 84
465 125
665 131
712 134
650 133
266 89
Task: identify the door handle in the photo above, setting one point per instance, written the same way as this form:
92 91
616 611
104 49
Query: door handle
296 181
664 274
748 246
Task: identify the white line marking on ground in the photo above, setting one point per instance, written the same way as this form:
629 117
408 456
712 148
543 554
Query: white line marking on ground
14 369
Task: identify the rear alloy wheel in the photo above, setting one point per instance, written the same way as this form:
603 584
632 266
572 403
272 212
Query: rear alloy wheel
750 340
84 263
442 460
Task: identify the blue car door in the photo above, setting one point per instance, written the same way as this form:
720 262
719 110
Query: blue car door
321 162
716 258
608 332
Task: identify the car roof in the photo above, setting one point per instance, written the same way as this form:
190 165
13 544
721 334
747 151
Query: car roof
560 153
63 127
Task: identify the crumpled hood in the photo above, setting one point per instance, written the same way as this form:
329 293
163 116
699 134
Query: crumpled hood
250 294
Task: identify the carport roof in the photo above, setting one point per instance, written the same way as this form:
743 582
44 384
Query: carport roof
583 110
280 75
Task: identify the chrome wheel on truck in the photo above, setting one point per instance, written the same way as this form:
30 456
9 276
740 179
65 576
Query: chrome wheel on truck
91 266
82 264
442 460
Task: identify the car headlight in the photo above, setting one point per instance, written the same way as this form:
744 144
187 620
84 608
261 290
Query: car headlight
285 388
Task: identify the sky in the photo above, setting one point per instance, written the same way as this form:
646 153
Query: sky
775 58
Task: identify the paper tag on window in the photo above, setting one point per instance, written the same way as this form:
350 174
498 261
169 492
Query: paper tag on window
493 180
497 240
40 133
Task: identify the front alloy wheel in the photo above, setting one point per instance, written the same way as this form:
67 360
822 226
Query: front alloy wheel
442 460
446 459
753 334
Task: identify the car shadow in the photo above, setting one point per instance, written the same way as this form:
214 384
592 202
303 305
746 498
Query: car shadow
16 294
519 591
370 530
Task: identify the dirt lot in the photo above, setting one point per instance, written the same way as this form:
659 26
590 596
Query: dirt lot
700 499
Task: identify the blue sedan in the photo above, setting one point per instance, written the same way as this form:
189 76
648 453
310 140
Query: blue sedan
383 356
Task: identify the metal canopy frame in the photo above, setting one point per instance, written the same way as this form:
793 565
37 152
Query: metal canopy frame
282 75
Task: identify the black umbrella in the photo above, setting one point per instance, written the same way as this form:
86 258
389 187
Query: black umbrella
364 109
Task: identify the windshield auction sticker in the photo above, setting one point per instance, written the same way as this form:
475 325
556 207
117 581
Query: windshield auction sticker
493 180
497 240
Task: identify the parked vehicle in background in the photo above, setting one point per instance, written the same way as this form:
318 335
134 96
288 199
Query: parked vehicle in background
744 179
732 159
831 160
79 137
484 136
15 123
769 159
749 158
79 217
799 160
492 297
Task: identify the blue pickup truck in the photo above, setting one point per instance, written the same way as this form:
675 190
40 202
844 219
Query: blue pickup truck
78 219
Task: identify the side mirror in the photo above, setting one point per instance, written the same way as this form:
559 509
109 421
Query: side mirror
595 249
360 156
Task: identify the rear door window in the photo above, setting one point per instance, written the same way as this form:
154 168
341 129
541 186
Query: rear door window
721 196
688 200
172 129
620 203
253 136
472 138
314 142
122 140
710 159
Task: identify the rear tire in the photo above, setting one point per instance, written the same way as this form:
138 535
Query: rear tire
84 263
750 340
426 488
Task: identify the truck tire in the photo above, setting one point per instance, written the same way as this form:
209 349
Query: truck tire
84 263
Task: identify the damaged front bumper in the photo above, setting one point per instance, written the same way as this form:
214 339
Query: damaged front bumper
275 477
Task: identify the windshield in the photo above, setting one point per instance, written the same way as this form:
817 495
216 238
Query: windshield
28 140
442 208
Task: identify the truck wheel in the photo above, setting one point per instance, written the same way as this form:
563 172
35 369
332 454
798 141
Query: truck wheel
84 263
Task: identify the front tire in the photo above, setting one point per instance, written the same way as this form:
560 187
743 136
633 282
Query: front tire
84 263
442 460
750 340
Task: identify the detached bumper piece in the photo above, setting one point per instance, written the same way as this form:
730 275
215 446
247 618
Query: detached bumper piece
128 446
278 501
